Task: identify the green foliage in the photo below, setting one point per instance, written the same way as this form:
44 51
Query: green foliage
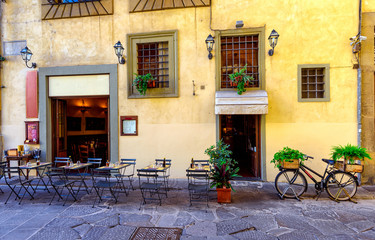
241 79
140 82
349 152
287 154
223 166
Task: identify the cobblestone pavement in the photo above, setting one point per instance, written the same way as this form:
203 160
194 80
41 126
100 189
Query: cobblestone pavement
255 213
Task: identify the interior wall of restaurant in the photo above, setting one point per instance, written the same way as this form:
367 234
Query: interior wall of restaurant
182 128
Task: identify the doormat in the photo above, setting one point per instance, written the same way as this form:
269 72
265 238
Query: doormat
153 233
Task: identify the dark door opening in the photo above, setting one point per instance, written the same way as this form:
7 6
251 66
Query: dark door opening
242 133
80 128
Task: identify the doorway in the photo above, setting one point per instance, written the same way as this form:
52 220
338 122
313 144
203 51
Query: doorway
242 133
80 128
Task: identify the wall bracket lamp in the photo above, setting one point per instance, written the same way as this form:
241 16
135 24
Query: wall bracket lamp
26 56
2 59
210 45
274 36
119 50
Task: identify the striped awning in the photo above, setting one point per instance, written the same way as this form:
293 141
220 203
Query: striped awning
152 5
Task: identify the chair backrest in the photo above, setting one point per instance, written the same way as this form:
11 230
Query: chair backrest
12 171
203 163
200 175
83 152
59 161
99 175
168 162
147 175
97 162
128 170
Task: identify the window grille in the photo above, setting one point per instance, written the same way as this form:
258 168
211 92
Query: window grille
153 58
236 52
312 80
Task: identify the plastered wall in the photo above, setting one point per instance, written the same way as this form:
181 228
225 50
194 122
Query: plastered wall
182 128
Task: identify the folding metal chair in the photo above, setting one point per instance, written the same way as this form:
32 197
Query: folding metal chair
165 176
96 162
2 165
149 185
18 181
198 185
127 172
101 180
59 181
59 161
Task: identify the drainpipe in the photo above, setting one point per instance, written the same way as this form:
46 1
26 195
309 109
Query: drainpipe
359 90
359 83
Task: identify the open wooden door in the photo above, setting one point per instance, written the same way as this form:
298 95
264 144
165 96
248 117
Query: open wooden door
242 134
59 128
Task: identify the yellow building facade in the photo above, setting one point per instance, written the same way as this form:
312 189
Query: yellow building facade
196 109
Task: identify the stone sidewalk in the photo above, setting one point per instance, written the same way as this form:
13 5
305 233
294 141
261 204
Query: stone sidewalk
256 213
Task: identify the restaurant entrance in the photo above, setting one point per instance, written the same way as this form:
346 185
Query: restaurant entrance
80 127
242 133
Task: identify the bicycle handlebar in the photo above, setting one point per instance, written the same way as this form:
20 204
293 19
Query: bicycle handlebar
307 157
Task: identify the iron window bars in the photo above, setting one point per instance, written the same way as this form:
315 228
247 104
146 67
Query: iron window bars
313 82
236 52
153 58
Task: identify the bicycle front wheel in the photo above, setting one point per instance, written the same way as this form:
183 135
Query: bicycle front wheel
290 183
341 186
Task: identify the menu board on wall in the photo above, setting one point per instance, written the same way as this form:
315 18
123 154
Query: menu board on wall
129 125
32 132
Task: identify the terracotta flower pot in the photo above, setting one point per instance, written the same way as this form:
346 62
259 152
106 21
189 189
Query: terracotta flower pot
224 195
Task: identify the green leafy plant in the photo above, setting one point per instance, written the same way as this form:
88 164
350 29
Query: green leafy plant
241 79
140 82
349 153
287 154
223 166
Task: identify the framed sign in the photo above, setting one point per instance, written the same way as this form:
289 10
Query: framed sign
129 125
32 132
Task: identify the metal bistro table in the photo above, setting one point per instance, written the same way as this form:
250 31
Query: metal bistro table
80 170
40 170
116 171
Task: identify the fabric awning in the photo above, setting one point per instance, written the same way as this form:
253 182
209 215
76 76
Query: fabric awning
250 102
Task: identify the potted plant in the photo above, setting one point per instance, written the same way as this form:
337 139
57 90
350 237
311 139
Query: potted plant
240 79
288 158
352 156
141 81
223 170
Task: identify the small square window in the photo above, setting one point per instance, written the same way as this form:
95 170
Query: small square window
313 83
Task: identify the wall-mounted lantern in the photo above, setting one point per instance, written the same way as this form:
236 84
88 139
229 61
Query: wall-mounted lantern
210 45
119 50
274 36
26 56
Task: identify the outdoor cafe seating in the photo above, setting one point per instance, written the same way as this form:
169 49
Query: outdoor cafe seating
59 181
198 181
153 180
19 185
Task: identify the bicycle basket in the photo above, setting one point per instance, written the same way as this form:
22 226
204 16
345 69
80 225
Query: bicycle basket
293 164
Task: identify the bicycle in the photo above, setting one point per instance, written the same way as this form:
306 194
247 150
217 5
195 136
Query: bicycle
340 186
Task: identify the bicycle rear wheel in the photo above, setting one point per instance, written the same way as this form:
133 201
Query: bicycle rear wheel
290 183
341 185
